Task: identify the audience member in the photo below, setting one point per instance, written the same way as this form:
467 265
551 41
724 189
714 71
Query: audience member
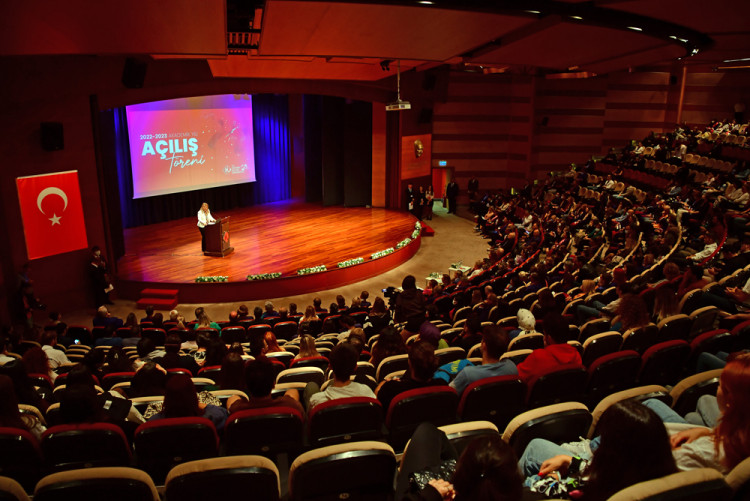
494 343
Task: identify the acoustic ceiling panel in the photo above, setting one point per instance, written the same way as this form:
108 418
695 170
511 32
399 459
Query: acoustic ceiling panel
374 30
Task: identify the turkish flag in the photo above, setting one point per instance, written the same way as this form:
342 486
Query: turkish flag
52 213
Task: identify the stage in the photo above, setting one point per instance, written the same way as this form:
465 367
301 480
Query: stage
282 237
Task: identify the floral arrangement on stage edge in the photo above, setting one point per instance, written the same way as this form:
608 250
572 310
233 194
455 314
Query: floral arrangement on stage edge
217 278
417 230
264 276
403 243
351 262
457 265
311 270
382 253
436 275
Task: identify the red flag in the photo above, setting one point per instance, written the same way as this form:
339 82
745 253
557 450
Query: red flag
52 213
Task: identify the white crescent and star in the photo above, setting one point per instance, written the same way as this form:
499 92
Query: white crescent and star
52 190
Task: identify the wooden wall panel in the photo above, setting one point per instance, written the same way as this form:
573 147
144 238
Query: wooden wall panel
378 155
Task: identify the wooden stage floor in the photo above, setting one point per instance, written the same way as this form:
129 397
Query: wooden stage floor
281 237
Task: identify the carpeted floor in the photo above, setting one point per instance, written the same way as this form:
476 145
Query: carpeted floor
454 240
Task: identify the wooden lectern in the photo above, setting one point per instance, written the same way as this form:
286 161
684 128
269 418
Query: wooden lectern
217 239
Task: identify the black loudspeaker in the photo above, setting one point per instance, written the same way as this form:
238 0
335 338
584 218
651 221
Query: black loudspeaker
134 73
425 116
672 79
52 136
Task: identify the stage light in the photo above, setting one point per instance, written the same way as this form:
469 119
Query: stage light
577 18
635 28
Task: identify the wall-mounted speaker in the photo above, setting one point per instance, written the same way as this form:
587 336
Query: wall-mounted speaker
134 73
52 136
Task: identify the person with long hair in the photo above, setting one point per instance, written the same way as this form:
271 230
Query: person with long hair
633 446
666 304
726 445
181 400
232 374
310 323
272 343
204 219
307 347
389 343
378 319
37 362
10 416
204 321
632 313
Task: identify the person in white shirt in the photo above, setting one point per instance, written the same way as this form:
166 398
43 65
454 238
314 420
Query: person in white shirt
55 356
204 219
709 249
343 358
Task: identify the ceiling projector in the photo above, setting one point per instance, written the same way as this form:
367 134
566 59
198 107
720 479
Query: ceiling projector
398 105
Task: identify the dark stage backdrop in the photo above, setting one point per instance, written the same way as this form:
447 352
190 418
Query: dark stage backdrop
272 167
338 151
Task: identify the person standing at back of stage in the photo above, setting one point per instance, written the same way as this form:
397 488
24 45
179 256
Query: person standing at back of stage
204 219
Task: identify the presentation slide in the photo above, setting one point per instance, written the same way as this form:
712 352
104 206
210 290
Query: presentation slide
191 144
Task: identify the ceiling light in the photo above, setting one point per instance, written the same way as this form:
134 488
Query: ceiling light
577 18
737 60
426 2
635 28
532 12
673 37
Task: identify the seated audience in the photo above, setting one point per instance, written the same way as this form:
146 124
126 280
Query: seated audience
10 416
494 343
343 359
181 400
260 378
422 366
556 352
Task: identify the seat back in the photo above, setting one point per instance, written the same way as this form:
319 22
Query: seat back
611 373
111 379
686 393
434 404
266 431
694 485
224 478
391 364
110 483
233 334
599 345
494 399
561 384
345 420
527 342
301 375
517 356
361 470
675 327
21 457
284 357
592 327
639 393
319 362
640 339
703 320
72 446
448 355
739 480
285 330
663 363
559 423
10 490
162 444
711 342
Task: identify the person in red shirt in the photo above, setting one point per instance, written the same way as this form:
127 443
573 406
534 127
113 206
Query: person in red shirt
556 351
